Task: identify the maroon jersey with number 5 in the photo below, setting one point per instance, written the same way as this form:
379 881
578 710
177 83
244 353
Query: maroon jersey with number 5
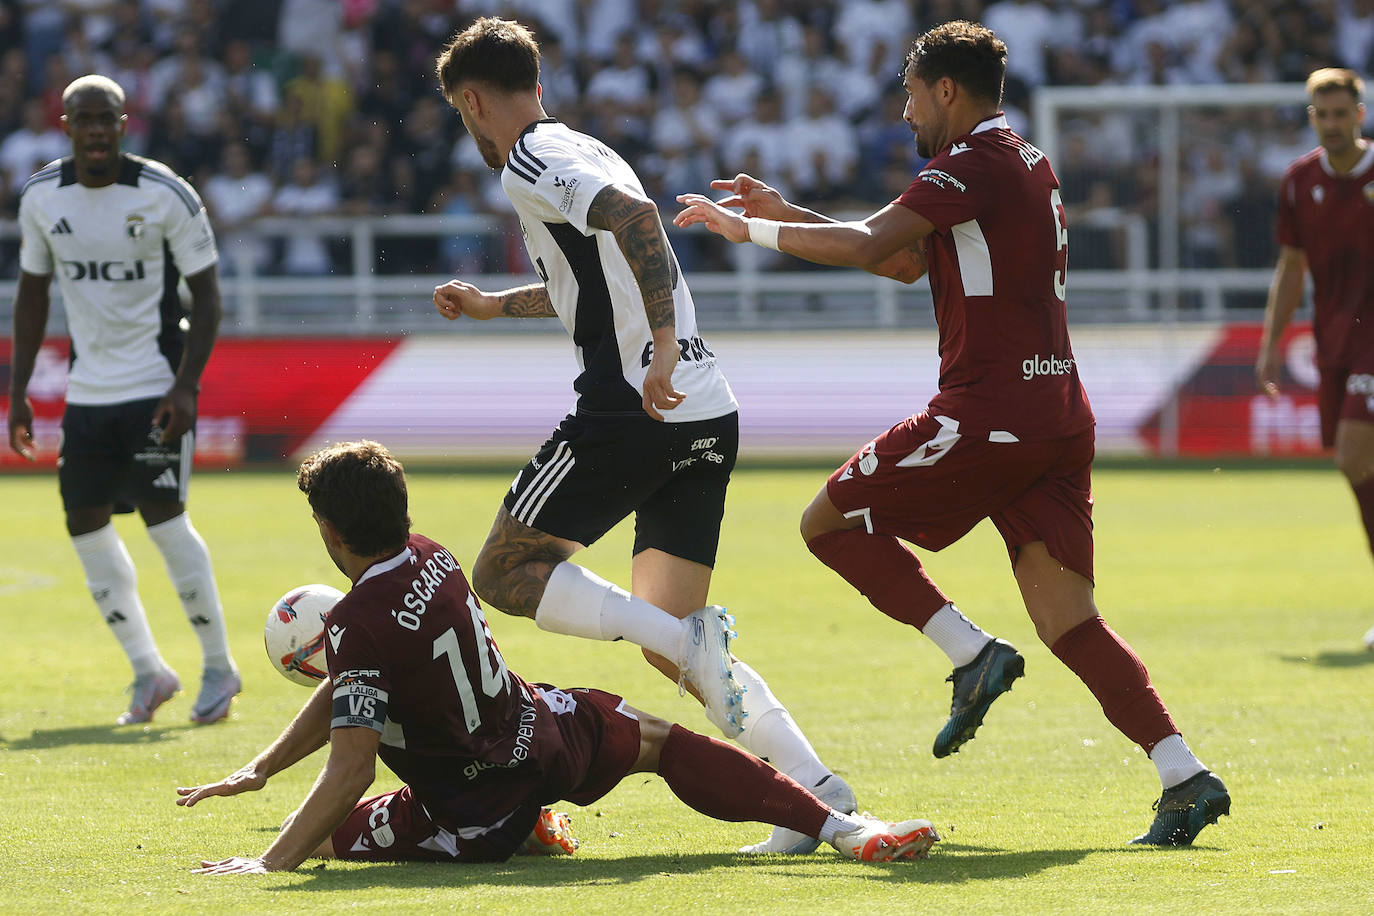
410 655
1331 218
998 266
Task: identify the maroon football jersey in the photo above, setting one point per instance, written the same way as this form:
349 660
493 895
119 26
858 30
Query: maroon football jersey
1331 218
997 261
410 655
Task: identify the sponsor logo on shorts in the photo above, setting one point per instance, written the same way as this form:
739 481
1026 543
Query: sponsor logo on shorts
1046 365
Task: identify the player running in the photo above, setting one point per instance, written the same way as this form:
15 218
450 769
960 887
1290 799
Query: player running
416 678
1326 226
119 231
655 429
1009 436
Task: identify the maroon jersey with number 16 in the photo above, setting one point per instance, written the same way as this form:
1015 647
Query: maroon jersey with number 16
998 268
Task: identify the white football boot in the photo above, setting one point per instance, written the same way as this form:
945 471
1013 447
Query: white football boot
1369 639
149 692
704 660
832 791
879 841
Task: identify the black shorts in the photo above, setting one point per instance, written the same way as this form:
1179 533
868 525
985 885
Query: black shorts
595 470
111 456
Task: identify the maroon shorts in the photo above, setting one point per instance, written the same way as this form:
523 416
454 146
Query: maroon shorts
1343 395
926 483
599 747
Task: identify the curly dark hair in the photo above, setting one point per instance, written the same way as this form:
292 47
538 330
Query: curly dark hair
360 489
966 52
499 52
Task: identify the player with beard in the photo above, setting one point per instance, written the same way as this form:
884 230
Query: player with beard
416 679
1009 435
1326 227
119 231
655 428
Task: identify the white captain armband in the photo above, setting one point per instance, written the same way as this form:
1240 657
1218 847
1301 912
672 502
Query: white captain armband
359 705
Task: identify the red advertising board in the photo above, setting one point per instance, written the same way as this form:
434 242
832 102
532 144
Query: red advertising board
260 399
1220 411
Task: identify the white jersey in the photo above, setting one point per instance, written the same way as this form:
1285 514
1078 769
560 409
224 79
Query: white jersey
551 176
118 252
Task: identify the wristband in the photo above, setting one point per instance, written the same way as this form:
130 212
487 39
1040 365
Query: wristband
764 232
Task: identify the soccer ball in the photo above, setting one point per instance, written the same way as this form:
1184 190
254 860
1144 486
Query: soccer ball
294 635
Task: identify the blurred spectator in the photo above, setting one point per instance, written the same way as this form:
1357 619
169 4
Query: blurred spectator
822 150
234 197
31 147
309 193
733 89
326 104
293 138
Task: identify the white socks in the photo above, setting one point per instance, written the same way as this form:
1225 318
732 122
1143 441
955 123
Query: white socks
1174 761
837 823
188 566
770 733
113 581
956 635
578 602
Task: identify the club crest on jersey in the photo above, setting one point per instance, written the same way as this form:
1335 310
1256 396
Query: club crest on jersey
133 226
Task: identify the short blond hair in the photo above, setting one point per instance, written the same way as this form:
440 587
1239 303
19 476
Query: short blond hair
1329 79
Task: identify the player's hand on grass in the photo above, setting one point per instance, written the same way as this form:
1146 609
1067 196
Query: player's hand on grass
753 197
234 865
456 298
244 779
700 209
175 413
21 428
659 393
1267 371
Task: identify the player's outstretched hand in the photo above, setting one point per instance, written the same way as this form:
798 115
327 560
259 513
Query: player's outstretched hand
175 413
1267 371
700 209
244 779
659 393
234 865
21 428
456 298
753 197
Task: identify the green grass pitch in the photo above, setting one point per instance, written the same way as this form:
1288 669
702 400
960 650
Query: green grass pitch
1245 591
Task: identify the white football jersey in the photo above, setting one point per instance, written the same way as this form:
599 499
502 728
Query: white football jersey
551 176
117 252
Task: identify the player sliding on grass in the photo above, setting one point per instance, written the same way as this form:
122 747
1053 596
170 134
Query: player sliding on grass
1009 436
416 678
656 426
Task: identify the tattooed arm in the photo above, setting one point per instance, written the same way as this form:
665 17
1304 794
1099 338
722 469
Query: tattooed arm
638 231
457 298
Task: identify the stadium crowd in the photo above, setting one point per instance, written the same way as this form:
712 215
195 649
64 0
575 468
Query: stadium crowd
330 106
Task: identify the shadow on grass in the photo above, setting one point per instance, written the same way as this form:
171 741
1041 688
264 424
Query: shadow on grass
94 734
950 864
1356 658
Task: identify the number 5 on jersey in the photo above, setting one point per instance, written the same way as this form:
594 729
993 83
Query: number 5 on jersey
1061 248
494 678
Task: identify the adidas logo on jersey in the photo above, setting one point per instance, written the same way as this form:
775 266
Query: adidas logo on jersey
167 480
61 227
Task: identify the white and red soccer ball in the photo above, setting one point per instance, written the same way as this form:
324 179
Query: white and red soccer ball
294 634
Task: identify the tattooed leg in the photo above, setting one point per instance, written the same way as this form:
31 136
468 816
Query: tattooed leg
515 563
